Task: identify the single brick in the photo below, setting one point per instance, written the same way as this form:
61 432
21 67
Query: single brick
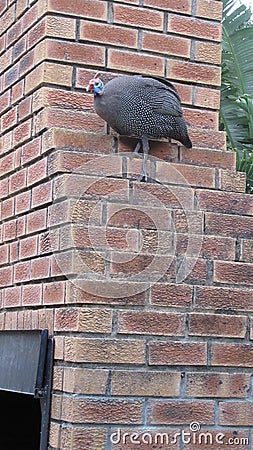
229 225
217 325
224 298
194 27
80 8
166 44
112 351
138 17
32 294
140 383
160 323
108 34
163 412
181 6
207 52
233 273
225 202
79 410
237 355
195 73
85 381
177 353
210 9
206 384
135 62
236 413
188 175
209 158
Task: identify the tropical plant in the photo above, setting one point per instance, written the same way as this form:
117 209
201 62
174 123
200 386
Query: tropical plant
236 112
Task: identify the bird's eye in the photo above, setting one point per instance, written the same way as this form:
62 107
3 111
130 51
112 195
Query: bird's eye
97 83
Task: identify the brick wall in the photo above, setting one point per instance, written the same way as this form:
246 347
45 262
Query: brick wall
145 287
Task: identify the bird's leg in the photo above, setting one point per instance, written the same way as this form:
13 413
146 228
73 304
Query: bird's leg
145 146
137 148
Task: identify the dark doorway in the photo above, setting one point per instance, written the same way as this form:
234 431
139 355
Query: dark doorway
20 422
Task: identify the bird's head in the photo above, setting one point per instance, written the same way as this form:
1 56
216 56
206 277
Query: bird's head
96 86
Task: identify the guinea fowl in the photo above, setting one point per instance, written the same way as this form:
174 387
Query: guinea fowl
142 107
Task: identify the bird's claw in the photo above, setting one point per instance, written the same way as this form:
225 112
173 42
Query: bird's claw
143 177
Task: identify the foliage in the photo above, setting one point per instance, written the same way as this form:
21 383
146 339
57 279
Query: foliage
236 112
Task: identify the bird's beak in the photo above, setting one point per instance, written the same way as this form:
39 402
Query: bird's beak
88 88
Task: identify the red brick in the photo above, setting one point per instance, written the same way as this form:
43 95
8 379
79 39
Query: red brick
23 202
9 119
163 196
229 225
135 62
209 158
42 194
177 353
85 381
236 413
206 384
78 53
195 73
141 383
59 97
17 181
37 171
4 101
80 8
181 6
225 202
108 34
29 17
110 351
188 175
17 91
217 325
151 322
224 298
14 250
40 267
54 292
36 221
202 119
24 109
6 276
87 437
28 247
194 27
9 230
207 97
32 294
78 410
3 6
12 296
205 246
31 150
22 132
4 188
109 292
4 254
14 32
7 208
175 295
211 9
166 44
22 272
238 355
138 17
180 412
7 163
21 226
233 273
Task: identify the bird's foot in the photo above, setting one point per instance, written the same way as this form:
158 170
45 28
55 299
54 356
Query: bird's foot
143 176
137 148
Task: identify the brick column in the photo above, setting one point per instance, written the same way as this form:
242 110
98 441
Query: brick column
146 287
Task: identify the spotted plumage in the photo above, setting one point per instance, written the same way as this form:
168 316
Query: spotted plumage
142 107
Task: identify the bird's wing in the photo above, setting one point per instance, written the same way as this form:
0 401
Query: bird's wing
162 97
